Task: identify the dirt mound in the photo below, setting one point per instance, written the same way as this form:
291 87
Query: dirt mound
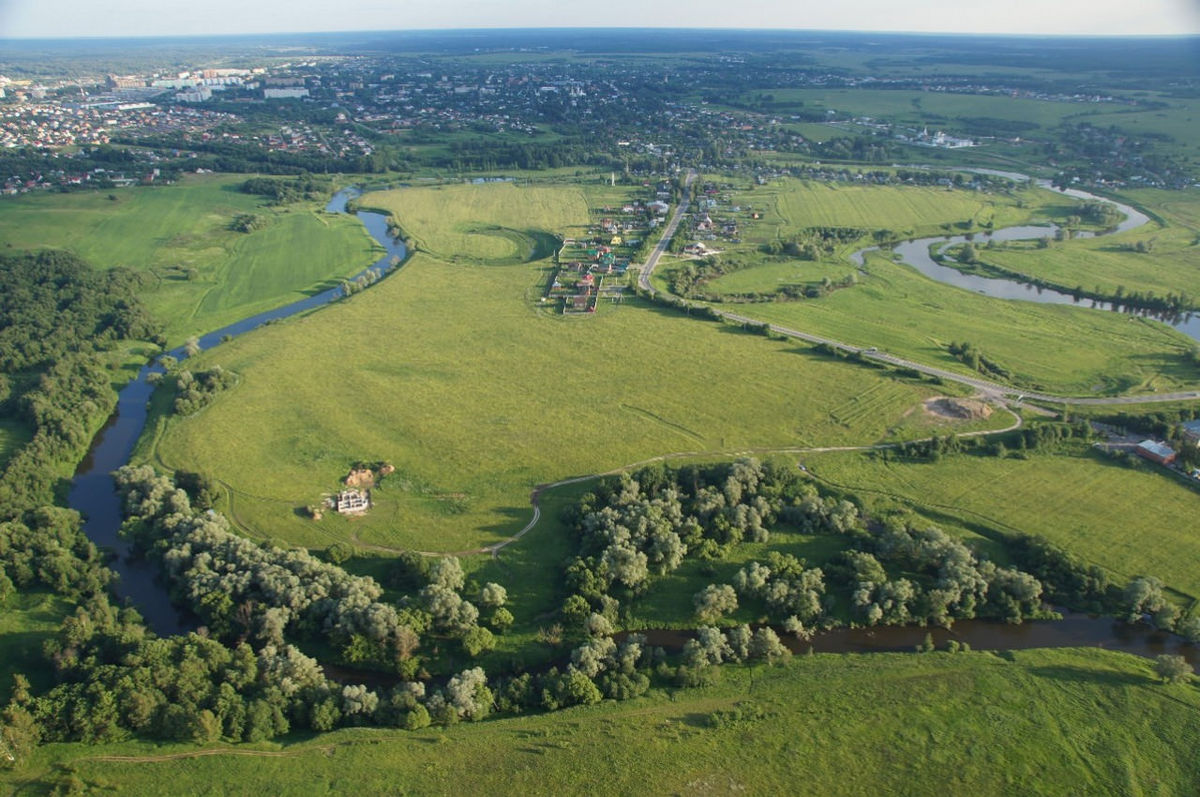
957 409
363 477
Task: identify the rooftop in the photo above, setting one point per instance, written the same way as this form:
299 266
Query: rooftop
1158 449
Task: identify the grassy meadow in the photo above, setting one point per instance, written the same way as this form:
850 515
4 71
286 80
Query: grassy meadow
173 231
1056 348
1130 521
476 396
1054 722
1105 264
489 224
790 205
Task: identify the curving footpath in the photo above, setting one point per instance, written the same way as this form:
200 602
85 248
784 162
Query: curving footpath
495 548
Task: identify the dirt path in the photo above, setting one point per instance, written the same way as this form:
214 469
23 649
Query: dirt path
495 548
149 759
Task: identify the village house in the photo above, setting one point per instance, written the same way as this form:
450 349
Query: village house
1191 431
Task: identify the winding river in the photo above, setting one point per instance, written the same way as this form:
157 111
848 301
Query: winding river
915 253
93 495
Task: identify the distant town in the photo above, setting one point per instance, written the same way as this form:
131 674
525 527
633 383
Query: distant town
377 112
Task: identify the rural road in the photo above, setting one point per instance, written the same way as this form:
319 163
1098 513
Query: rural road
668 234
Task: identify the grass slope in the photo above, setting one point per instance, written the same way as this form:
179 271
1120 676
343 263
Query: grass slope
165 229
1130 521
1054 722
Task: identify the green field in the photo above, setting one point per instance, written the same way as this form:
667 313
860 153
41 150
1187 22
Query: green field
1054 722
1060 349
476 397
168 230
914 210
1104 264
1132 522
789 206
484 224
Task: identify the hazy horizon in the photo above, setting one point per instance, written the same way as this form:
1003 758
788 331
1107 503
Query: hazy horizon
65 19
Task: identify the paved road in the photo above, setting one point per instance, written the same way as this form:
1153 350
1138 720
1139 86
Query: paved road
668 234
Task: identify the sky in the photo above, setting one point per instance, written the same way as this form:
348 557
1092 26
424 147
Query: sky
69 18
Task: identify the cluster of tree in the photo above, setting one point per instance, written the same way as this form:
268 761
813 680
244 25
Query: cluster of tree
1067 580
1141 246
1163 424
196 390
664 299
363 281
56 315
247 222
711 647
282 191
813 243
890 574
251 158
485 155
52 303
115 679
1039 436
970 355
867 149
634 526
1169 306
943 579
790 591
1144 598
1104 214
242 590
46 547
600 668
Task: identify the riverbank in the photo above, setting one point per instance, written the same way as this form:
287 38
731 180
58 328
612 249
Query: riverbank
93 493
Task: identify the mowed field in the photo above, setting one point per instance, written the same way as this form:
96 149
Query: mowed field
493 223
933 724
1132 522
1059 349
166 230
476 396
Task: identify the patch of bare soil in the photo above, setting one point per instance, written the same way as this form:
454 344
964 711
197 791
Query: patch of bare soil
957 409
364 478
